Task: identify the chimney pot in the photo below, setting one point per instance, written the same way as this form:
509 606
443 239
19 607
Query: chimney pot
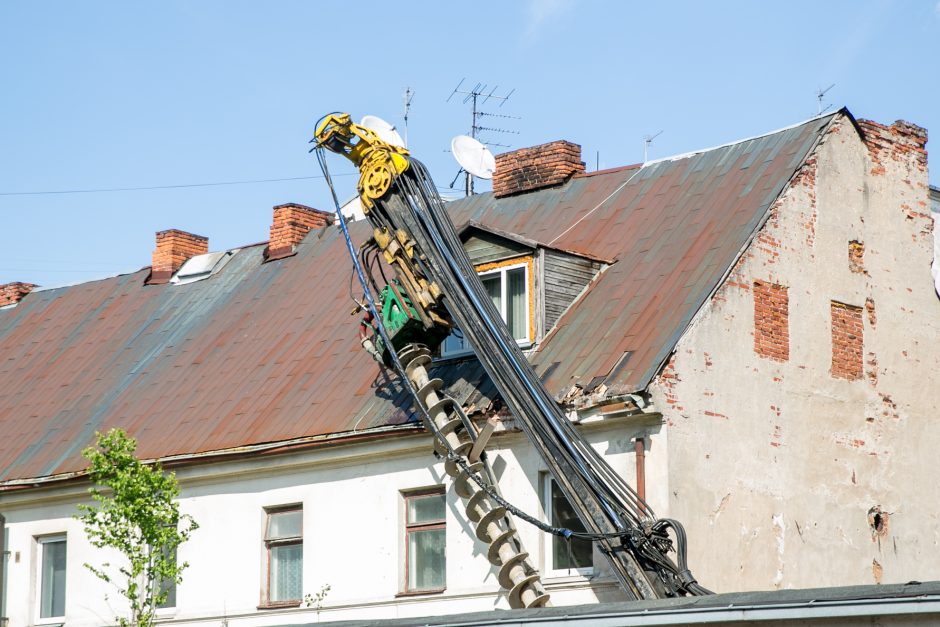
528 169
174 248
12 293
292 222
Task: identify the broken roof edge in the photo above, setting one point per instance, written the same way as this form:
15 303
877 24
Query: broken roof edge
233 453
650 375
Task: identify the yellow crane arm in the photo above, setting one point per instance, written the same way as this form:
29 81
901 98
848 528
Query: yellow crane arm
379 163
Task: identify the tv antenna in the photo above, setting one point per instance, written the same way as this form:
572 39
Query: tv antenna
478 96
647 142
408 97
819 98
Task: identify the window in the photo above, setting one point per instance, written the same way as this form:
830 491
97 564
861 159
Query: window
168 584
565 556
425 542
51 576
508 288
284 545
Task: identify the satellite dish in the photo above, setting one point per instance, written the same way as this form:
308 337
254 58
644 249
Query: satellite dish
473 156
383 129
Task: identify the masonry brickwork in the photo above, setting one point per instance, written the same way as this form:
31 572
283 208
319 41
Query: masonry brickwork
857 256
174 247
11 293
291 224
771 321
847 341
533 168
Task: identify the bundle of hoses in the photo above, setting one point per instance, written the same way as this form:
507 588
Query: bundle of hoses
635 543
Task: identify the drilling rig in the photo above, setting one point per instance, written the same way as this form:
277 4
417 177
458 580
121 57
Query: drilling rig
436 289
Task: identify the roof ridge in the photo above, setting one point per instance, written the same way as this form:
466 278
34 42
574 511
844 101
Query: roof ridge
686 155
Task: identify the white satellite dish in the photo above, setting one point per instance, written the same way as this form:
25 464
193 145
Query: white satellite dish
473 156
383 129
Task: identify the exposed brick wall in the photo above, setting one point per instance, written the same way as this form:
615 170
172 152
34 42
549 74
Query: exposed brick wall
771 321
533 168
857 256
174 247
847 341
14 292
901 139
291 224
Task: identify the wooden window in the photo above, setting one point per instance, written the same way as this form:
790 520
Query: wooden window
51 576
425 541
565 556
284 548
508 288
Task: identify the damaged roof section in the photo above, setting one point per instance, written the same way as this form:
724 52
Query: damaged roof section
261 352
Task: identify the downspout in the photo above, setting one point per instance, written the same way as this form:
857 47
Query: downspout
4 554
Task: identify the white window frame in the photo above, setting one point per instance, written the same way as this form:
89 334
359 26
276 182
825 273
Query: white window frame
41 541
504 286
549 539
267 545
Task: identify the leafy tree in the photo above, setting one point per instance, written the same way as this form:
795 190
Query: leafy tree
135 513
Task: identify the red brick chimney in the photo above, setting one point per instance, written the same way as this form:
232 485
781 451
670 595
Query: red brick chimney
533 168
174 247
291 224
11 293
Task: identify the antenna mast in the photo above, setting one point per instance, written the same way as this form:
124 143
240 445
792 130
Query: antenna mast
409 96
647 141
477 97
819 98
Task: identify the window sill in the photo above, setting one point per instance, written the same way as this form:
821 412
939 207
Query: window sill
418 593
279 605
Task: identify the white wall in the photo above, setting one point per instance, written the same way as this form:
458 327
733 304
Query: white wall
773 466
353 537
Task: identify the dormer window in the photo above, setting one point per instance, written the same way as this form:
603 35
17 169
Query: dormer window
530 284
508 286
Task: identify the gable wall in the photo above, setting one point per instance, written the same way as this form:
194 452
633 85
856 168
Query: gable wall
787 426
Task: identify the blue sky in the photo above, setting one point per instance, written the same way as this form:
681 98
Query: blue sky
115 94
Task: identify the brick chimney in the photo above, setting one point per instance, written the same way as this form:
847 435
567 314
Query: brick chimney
11 293
533 168
174 247
291 224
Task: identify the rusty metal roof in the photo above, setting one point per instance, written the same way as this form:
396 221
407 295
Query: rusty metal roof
267 352
674 227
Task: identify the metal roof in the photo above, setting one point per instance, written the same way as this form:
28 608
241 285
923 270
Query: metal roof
267 352
674 227
891 604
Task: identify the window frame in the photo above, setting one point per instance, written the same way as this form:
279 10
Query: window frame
267 545
41 542
408 528
166 608
549 539
502 268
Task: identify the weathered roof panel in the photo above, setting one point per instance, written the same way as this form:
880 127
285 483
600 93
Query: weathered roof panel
267 352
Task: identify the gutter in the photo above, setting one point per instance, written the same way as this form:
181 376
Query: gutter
315 441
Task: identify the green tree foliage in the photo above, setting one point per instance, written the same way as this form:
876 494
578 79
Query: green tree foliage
135 512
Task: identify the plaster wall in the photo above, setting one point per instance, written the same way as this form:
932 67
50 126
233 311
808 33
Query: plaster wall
352 527
784 475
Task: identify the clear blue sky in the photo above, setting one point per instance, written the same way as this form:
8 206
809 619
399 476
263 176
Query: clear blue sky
128 94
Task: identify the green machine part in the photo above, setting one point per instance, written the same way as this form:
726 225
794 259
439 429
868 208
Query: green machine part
403 324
